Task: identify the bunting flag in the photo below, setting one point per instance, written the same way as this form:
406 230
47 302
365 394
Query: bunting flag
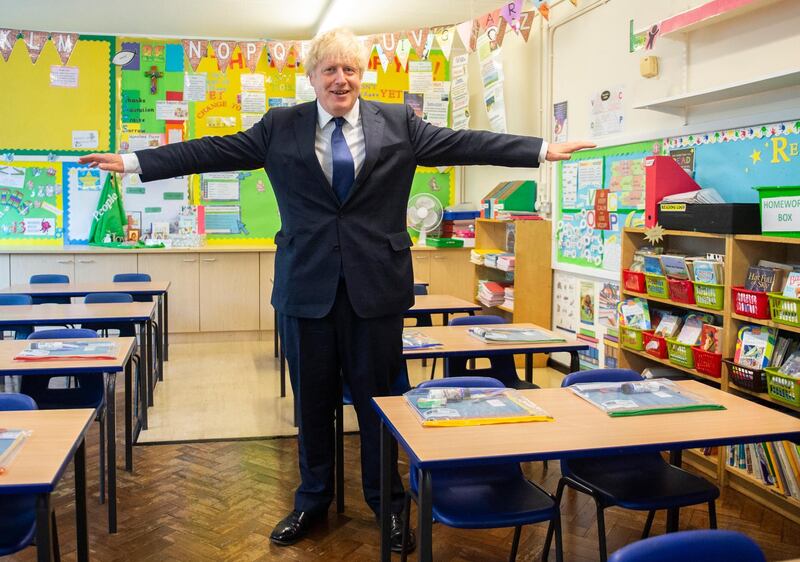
497 40
487 21
252 52
35 41
403 51
7 39
223 50
418 39
464 30
511 14
526 23
195 50
294 47
279 52
543 8
301 50
64 43
473 37
574 3
388 42
445 37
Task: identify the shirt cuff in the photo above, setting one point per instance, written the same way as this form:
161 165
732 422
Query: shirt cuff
543 151
130 163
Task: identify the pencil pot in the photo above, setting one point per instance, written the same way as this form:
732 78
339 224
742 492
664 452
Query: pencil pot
680 290
680 353
633 281
753 304
745 377
783 388
656 285
631 338
654 345
784 309
707 363
709 295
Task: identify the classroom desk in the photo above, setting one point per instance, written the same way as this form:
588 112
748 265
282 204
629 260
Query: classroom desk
156 289
441 304
125 346
57 437
579 430
456 342
137 313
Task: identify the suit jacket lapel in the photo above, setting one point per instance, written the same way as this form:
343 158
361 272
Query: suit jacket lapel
305 129
372 122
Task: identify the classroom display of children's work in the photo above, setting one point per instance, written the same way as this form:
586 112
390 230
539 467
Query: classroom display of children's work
127 94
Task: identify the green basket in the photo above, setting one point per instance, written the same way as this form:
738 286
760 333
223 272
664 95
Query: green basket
782 387
656 285
631 338
709 295
680 353
784 310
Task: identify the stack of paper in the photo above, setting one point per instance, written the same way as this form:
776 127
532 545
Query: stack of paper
491 293
513 335
506 262
509 298
708 196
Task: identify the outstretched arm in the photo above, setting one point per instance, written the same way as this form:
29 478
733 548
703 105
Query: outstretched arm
564 150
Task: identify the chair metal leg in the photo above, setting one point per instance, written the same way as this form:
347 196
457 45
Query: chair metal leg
550 529
515 543
559 537
433 368
406 526
102 459
56 547
649 523
339 469
601 531
712 514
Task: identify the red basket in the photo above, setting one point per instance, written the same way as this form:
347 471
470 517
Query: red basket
753 304
681 290
707 363
654 345
745 377
633 281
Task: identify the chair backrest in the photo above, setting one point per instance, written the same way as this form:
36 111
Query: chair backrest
420 289
601 375
477 319
13 401
48 278
107 297
463 382
6 300
707 545
131 278
63 334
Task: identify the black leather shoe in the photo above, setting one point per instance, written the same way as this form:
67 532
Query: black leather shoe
294 527
396 535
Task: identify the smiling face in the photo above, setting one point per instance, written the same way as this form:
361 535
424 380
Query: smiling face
337 84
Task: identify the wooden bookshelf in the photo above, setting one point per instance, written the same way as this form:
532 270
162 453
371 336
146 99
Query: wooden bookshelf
740 252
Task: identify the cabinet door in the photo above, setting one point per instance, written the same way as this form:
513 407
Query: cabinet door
182 271
101 268
421 262
266 275
5 271
229 296
451 274
25 265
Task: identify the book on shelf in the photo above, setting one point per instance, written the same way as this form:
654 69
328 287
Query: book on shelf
791 288
652 264
791 367
691 330
668 326
55 350
639 255
764 279
634 313
10 442
674 266
754 346
513 335
706 196
413 339
707 271
784 347
710 338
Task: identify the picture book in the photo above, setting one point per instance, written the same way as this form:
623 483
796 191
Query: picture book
674 266
652 264
754 346
513 335
764 279
707 271
792 287
10 442
668 326
54 350
640 254
634 313
413 339
710 337
791 367
692 328
784 347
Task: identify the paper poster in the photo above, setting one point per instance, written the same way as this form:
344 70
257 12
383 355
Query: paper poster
492 79
223 219
587 303
459 92
569 185
88 179
155 200
370 77
560 122
606 114
168 110
141 142
254 102
216 190
252 82
415 101
12 176
250 119
608 298
303 89
420 76
64 76
194 86
627 181
565 301
83 140
590 177
602 218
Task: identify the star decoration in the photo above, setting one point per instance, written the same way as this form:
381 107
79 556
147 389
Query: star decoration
654 234
755 156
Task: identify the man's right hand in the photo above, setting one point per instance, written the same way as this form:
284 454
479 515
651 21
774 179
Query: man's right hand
107 162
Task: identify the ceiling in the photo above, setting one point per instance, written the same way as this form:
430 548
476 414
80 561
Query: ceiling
235 19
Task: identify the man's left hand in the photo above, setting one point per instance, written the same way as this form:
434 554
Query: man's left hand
564 150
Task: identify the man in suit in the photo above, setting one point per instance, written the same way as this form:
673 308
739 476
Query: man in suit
341 168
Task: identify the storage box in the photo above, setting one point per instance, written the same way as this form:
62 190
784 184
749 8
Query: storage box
722 218
444 242
780 210
509 196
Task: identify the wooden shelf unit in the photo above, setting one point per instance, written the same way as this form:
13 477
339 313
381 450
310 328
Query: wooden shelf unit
740 252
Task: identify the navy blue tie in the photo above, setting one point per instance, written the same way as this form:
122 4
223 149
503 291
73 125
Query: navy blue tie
343 167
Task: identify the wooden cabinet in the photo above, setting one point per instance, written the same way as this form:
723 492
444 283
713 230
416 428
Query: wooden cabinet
451 274
182 271
5 270
421 262
25 265
266 262
229 292
101 268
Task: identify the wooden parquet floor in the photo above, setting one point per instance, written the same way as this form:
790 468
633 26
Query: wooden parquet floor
218 501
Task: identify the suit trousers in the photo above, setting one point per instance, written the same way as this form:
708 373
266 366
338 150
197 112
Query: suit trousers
367 354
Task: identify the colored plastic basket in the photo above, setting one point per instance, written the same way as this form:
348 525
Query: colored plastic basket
709 295
782 387
680 290
707 363
746 377
656 285
753 304
784 310
654 345
633 281
631 338
680 353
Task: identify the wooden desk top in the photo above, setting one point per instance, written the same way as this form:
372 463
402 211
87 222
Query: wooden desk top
82 289
44 455
78 312
10 348
442 303
582 430
456 340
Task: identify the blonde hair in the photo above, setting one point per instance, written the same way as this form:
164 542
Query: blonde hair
339 44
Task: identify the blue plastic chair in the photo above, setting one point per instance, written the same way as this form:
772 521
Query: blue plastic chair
134 278
18 511
20 331
708 546
89 393
485 497
502 367
125 329
44 278
423 319
641 482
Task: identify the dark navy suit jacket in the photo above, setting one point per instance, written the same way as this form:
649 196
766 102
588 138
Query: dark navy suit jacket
364 238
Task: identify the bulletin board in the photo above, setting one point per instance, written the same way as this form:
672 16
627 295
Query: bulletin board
31 205
37 117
